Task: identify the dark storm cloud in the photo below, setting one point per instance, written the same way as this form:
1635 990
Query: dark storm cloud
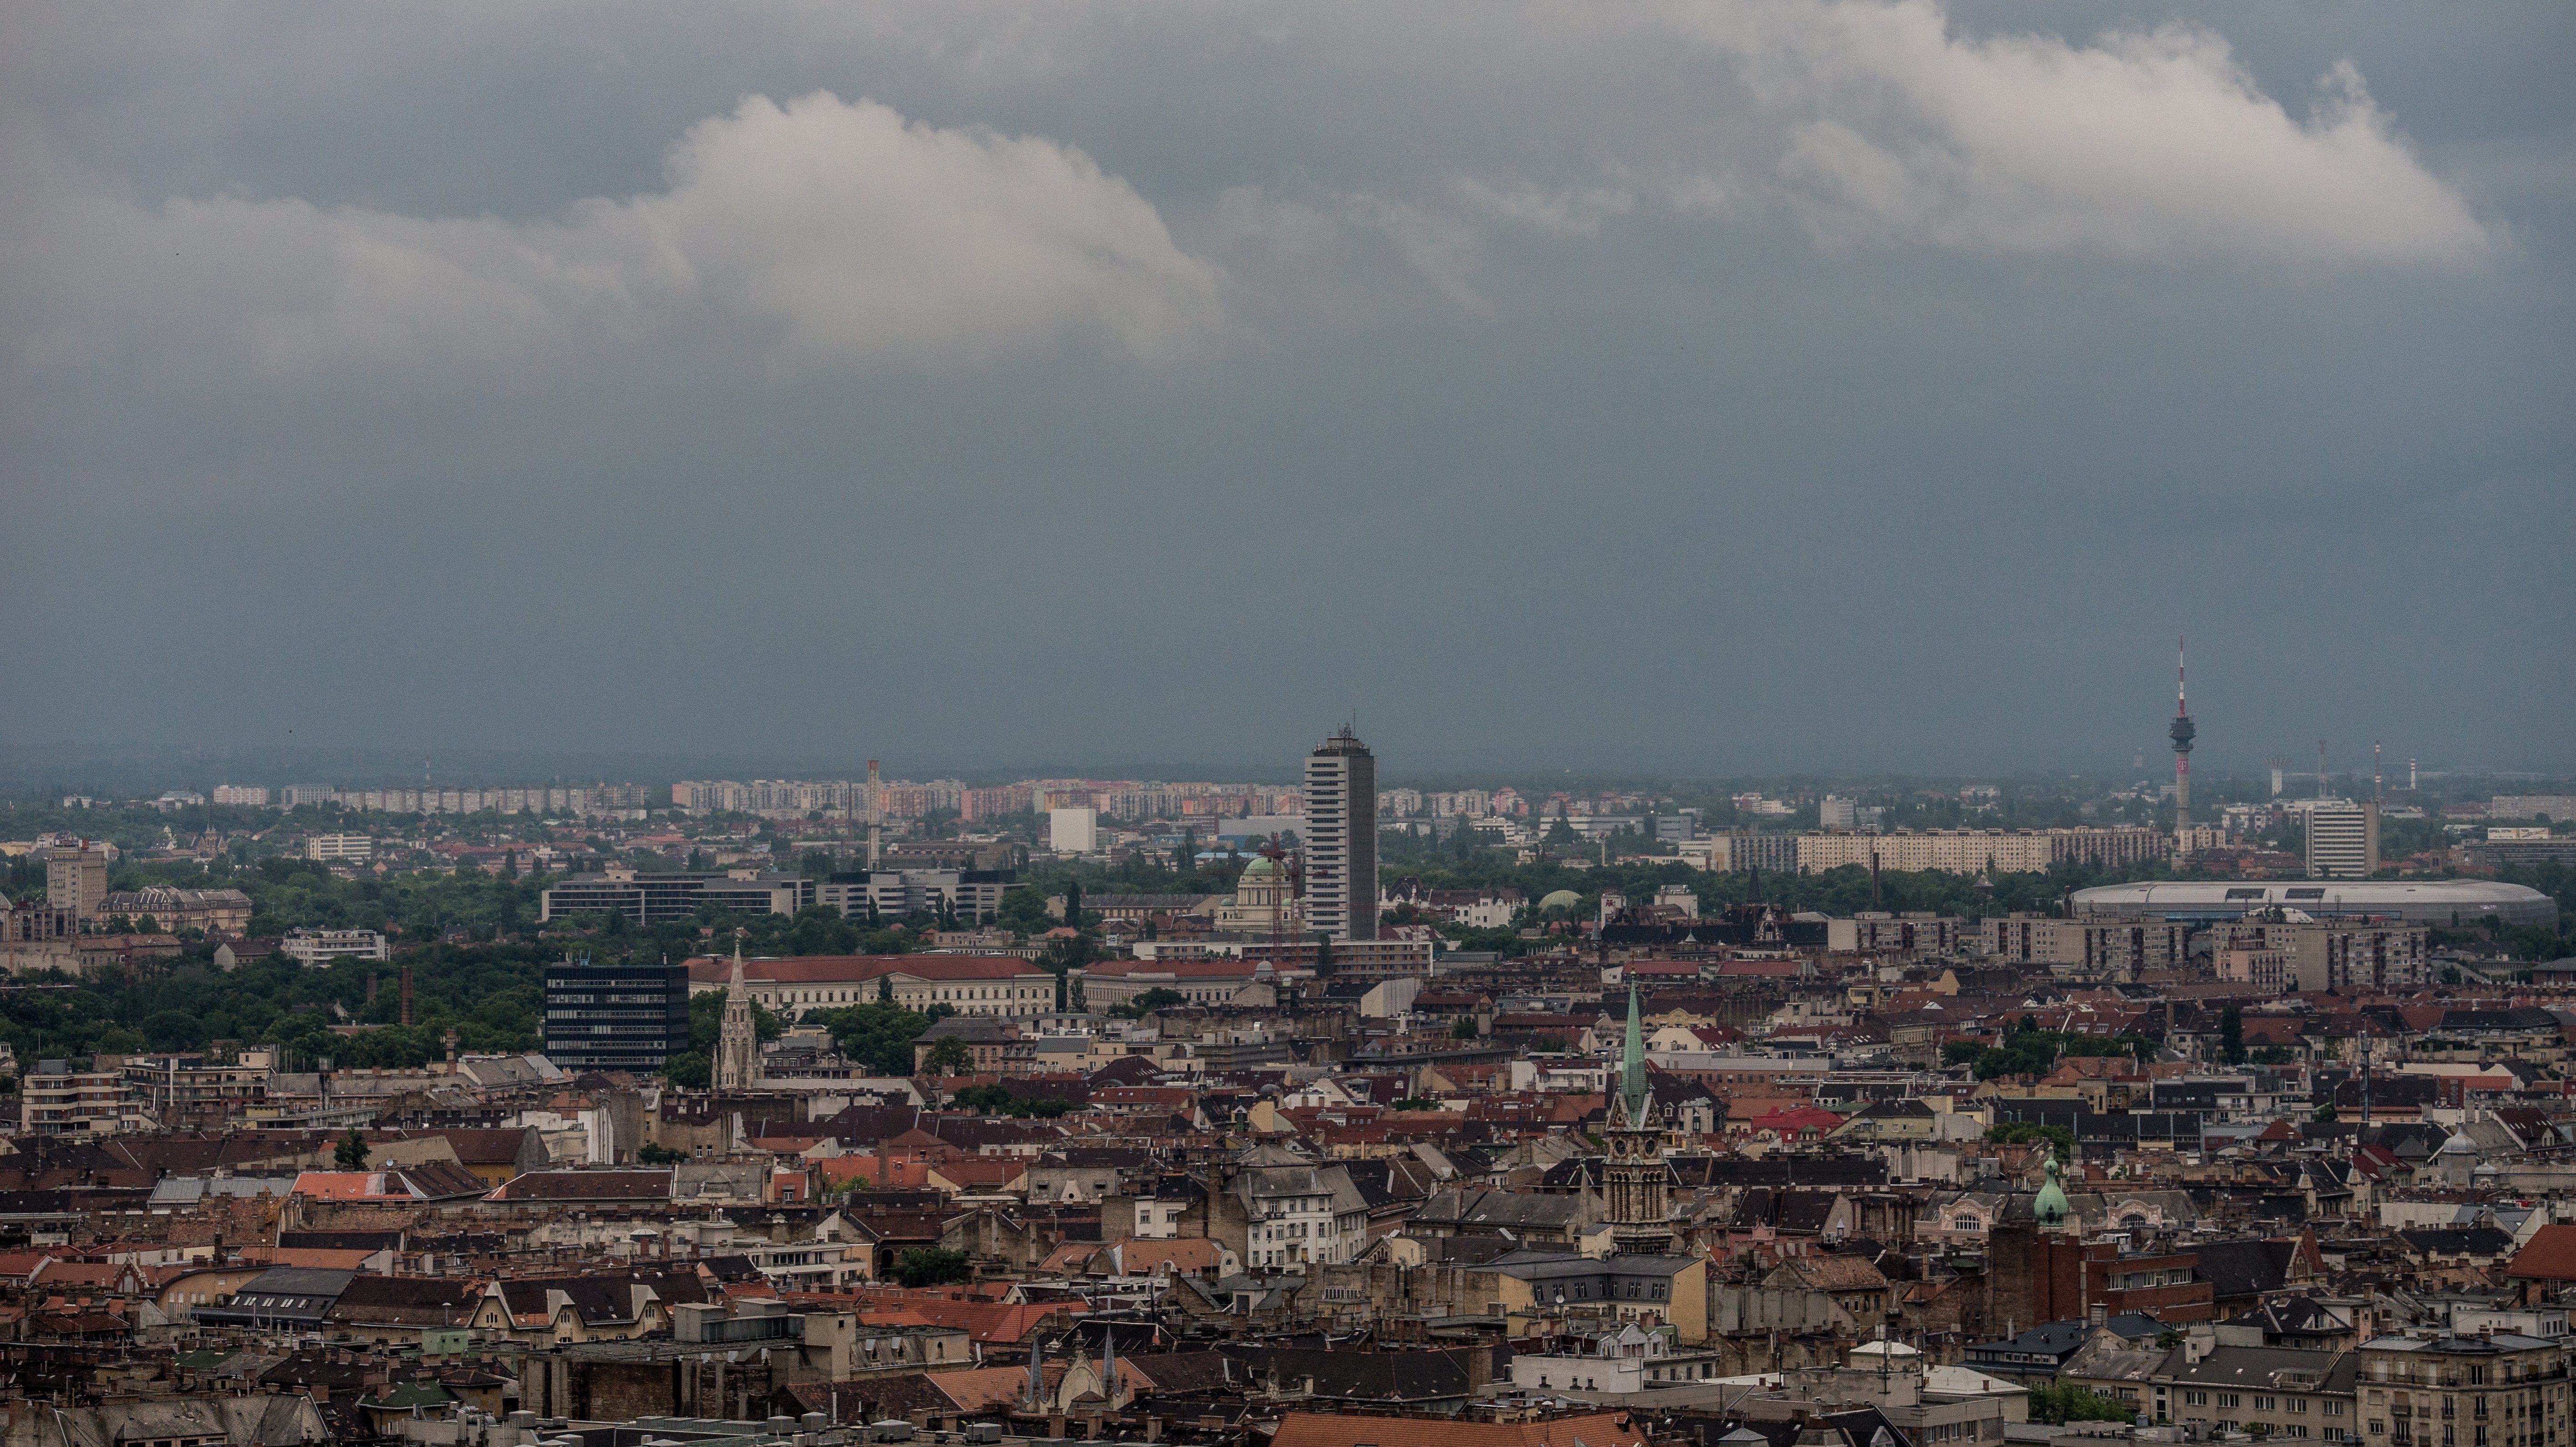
1704 388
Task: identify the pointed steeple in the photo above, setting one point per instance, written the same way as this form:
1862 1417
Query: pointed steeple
1632 1058
737 1062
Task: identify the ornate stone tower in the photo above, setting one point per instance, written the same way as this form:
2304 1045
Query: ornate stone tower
737 1064
1635 1178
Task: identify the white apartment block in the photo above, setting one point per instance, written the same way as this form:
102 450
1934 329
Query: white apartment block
1974 851
2343 840
317 947
599 799
56 1100
2557 808
252 795
1073 831
339 847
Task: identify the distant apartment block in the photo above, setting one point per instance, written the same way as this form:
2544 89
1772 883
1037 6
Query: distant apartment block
597 799
2343 840
2556 808
2341 956
1667 828
979 804
251 795
653 899
56 1100
76 879
974 894
1922 932
320 947
339 847
1974 851
1073 830
1743 850
2118 946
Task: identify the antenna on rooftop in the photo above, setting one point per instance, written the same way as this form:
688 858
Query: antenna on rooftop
876 817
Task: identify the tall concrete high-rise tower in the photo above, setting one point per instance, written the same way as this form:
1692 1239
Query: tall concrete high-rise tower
2181 733
1341 839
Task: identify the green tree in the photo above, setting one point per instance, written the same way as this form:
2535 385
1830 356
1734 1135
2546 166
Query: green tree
2062 1402
2231 1035
1147 1003
2061 1141
931 1266
1073 903
1023 911
689 1070
948 1055
352 1152
1465 1029
654 1153
878 1035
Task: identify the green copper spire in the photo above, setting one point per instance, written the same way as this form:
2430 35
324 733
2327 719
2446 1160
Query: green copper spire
1632 1057
2049 1207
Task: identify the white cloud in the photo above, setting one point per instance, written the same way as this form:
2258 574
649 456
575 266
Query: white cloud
1568 211
814 231
2149 146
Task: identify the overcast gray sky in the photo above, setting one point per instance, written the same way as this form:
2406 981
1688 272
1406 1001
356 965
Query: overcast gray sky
1705 388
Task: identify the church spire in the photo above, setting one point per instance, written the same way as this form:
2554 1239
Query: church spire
1634 1175
737 1041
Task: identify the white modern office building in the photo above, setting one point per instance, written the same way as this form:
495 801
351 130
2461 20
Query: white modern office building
2343 840
319 947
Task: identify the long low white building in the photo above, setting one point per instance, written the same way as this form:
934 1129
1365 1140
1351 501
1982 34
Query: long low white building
995 985
2448 903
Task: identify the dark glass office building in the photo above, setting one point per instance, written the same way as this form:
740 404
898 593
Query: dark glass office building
616 1017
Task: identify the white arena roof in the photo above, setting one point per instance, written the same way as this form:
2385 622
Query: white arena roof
2445 902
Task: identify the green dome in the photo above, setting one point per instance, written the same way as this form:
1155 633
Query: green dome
2049 1207
1262 864
1560 899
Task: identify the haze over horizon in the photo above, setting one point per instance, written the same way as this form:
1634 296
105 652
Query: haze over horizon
1700 390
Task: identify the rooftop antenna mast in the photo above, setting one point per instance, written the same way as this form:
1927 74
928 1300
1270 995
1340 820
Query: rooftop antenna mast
876 815
2181 733
2279 766
2378 781
2321 768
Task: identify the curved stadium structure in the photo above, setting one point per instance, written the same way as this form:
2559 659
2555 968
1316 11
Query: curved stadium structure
2445 902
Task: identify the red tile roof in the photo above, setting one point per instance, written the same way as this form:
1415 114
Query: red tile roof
859 969
2550 1255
